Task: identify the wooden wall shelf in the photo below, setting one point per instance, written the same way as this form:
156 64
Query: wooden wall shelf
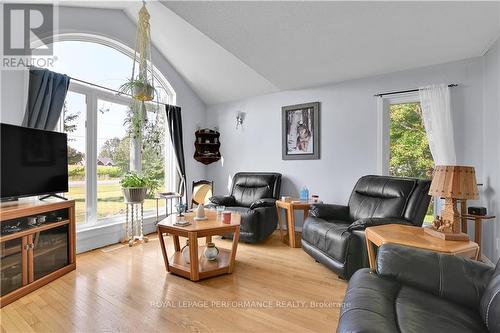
207 146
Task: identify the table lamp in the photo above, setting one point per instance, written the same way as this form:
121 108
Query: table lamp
452 183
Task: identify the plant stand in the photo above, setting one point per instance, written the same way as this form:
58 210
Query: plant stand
135 223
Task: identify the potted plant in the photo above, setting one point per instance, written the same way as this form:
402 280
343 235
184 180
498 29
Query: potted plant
139 89
134 187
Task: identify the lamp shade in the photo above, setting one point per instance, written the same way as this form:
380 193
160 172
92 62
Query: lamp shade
452 181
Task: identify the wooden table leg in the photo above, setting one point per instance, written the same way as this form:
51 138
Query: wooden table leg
477 234
193 256
236 238
371 254
291 227
177 244
278 210
163 249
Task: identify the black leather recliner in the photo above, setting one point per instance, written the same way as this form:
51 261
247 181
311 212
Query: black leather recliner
422 291
253 195
334 235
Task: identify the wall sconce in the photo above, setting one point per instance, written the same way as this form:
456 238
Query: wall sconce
240 118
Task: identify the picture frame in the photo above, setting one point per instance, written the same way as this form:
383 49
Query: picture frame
300 131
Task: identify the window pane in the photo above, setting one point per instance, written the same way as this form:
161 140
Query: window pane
153 156
74 116
410 155
113 157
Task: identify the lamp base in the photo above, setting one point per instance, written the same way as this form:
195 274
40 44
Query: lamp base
447 235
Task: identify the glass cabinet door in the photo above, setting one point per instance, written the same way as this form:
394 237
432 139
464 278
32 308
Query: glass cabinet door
50 250
11 265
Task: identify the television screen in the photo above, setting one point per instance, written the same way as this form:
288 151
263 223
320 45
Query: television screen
33 162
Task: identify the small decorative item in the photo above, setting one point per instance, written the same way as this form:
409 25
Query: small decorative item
181 209
185 252
452 183
304 194
226 217
315 198
32 221
220 209
207 141
211 252
300 132
200 213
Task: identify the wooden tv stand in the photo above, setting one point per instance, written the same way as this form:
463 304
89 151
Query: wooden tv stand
34 255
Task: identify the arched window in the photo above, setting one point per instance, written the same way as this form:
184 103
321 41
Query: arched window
100 149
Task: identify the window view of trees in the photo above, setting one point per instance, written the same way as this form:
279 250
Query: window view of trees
113 156
410 155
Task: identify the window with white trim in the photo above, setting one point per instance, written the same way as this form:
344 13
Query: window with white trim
100 149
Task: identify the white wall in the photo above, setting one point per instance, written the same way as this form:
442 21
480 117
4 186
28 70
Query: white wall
13 83
491 150
348 130
116 25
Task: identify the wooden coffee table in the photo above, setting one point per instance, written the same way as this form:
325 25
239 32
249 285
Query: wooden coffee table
415 237
199 267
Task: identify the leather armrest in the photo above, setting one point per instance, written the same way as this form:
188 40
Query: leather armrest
223 200
362 224
454 278
329 211
265 202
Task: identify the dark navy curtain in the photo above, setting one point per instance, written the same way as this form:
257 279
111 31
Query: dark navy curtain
174 120
46 95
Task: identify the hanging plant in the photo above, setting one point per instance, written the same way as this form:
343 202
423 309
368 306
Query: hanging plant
139 90
141 84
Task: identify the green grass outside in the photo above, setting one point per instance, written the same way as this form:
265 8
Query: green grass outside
110 201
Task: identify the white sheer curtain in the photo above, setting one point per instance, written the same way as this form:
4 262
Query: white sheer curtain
436 113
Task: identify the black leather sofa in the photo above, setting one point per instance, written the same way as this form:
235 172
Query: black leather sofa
422 291
253 195
334 235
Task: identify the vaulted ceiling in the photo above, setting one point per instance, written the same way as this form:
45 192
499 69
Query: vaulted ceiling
232 50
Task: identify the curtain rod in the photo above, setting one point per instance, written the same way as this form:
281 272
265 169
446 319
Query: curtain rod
112 90
407 91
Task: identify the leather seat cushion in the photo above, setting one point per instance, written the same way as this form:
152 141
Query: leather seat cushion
374 304
331 237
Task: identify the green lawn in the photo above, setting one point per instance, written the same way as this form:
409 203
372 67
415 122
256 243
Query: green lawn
109 201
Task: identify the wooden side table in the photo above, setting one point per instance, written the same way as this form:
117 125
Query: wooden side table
199 267
415 237
290 207
478 219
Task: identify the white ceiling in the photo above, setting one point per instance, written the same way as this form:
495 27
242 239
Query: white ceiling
232 50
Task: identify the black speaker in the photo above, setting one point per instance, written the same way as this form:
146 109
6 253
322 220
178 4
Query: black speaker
477 211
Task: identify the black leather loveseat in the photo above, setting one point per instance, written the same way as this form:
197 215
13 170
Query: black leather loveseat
253 195
334 235
422 291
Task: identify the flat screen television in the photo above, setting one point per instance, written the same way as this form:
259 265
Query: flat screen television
33 162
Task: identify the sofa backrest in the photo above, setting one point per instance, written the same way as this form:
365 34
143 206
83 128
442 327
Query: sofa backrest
251 186
489 307
384 196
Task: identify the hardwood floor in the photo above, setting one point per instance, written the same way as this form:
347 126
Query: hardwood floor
274 288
